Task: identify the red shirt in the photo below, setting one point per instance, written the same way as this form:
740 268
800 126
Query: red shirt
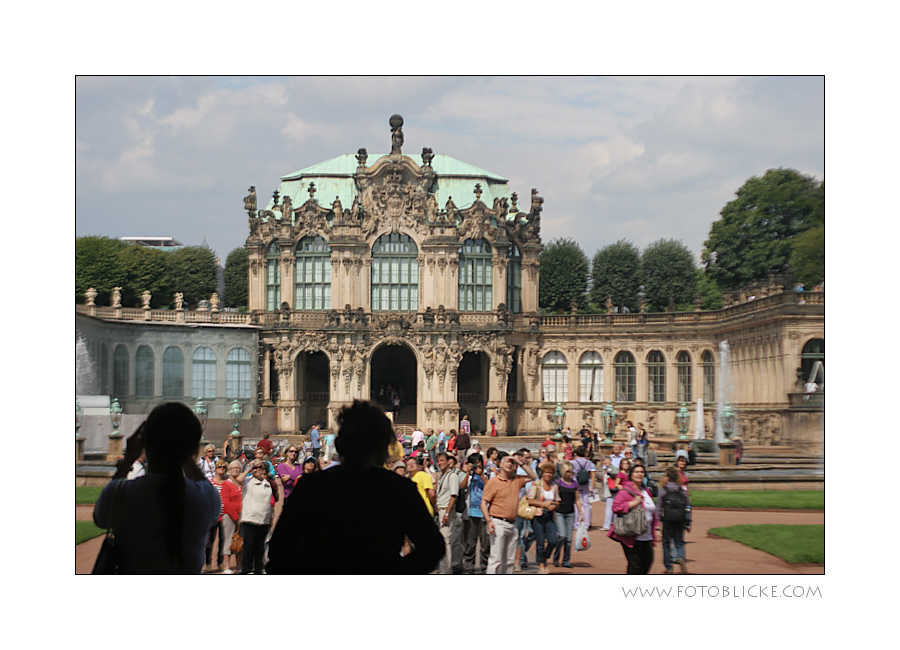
231 499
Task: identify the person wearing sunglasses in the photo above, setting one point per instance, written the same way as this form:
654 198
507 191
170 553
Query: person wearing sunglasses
290 470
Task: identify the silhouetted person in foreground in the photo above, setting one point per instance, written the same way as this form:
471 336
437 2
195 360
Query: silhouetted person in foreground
353 518
162 519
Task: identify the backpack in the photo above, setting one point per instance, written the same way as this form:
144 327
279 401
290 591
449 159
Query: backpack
583 476
462 500
674 507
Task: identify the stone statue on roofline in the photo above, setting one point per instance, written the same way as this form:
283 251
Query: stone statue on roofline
396 123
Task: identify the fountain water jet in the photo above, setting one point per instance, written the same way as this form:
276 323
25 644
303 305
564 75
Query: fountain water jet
85 377
724 388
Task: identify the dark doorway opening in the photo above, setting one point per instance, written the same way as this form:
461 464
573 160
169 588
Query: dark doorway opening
394 381
472 389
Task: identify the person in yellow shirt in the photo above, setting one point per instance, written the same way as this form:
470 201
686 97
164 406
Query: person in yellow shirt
423 481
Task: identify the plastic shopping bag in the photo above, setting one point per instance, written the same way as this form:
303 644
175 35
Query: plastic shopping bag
582 539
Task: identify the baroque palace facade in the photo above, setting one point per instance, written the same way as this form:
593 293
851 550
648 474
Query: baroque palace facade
420 277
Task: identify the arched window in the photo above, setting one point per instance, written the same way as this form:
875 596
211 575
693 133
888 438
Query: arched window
590 380
514 280
273 278
475 276
685 377
812 360
237 374
555 374
143 372
708 361
203 374
625 377
656 377
395 273
120 371
104 369
173 373
312 274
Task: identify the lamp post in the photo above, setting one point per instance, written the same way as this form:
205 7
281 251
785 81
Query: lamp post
609 417
559 416
202 414
683 417
79 441
79 414
115 438
235 414
728 420
115 416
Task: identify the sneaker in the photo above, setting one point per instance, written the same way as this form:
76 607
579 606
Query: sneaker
567 565
227 571
667 572
683 564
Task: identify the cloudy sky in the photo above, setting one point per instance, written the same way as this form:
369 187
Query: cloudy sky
640 158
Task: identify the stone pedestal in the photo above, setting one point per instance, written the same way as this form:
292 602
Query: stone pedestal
606 447
116 446
79 448
237 441
726 453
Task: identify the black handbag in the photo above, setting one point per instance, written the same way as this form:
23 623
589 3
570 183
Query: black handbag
107 562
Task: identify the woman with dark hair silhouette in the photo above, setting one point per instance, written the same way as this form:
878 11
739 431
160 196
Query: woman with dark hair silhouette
162 519
353 518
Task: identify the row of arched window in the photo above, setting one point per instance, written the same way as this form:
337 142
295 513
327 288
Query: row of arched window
555 377
203 371
394 275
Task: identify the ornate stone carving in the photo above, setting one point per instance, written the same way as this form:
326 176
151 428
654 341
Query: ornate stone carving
90 295
396 122
213 301
145 299
179 300
250 201
116 298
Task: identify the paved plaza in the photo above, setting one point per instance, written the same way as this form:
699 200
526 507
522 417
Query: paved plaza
705 555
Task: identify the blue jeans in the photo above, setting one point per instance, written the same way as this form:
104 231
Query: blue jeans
565 526
672 538
526 537
545 537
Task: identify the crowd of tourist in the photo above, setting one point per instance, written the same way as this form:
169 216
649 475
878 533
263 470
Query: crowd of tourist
485 509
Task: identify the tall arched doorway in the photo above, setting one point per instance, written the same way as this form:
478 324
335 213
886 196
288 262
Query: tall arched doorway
394 374
313 388
472 388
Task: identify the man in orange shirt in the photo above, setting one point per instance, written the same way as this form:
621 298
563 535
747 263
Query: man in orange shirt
500 504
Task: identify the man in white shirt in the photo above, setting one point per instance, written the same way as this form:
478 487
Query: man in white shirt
417 437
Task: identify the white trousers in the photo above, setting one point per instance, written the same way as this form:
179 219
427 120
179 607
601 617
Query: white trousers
504 541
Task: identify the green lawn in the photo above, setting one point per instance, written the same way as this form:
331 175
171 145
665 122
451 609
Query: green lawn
87 495
799 543
792 499
85 530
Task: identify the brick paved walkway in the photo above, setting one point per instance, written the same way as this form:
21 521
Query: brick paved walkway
705 555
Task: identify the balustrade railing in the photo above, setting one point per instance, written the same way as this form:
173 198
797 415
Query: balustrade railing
319 319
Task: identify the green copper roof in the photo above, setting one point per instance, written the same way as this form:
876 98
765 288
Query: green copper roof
334 178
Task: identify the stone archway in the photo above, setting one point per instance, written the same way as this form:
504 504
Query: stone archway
473 389
394 369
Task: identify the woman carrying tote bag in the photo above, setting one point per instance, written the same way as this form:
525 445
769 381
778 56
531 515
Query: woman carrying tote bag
631 498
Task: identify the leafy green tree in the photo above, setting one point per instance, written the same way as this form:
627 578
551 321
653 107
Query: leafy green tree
669 274
98 265
755 235
616 274
146 269
564 275
194 273
808 257
237 278
710 295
